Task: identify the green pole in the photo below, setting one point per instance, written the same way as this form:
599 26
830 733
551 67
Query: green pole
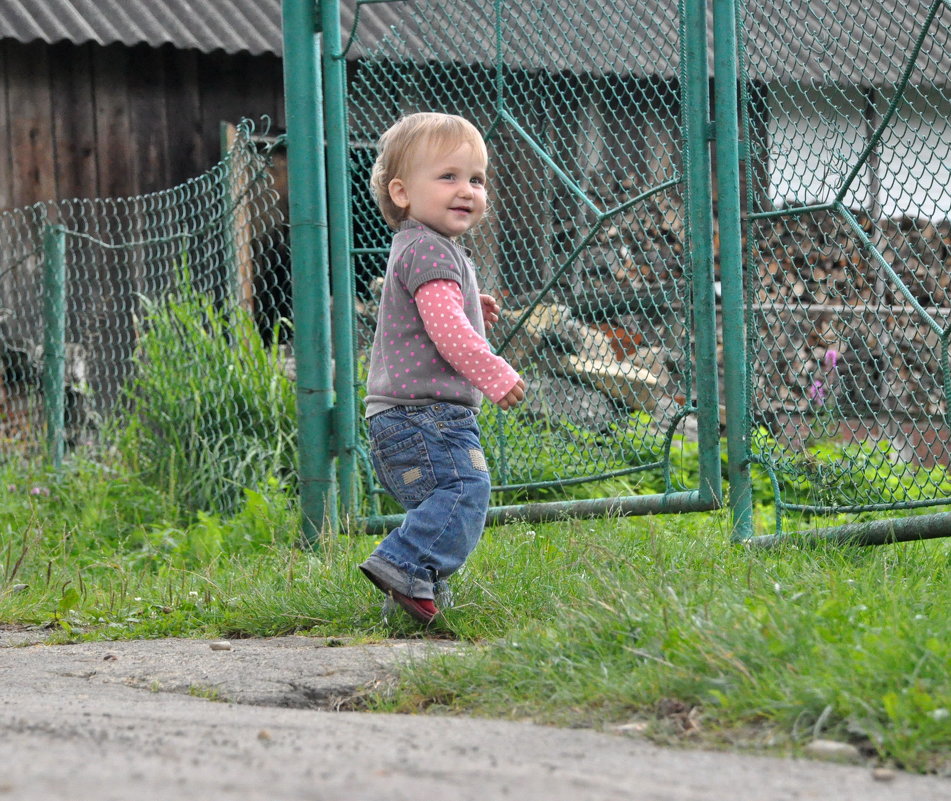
341 263
54 340
731 267
310 279
669 503
870 532
699 207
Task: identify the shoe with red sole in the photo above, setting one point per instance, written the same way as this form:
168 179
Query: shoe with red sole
420 609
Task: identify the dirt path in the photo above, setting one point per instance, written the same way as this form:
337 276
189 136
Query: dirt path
139 720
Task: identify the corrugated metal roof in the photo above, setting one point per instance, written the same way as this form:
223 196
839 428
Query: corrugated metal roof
837 40
845 41
230 25
234 26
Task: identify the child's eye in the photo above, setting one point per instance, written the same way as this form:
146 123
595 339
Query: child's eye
479 181
447 176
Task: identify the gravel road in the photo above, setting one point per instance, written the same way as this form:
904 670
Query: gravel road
145 720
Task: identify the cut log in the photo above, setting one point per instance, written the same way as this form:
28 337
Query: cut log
635 387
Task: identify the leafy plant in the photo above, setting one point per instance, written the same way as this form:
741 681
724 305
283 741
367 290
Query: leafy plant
209 411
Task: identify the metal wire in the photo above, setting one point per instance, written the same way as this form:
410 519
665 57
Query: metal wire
849 254
585 243
219 237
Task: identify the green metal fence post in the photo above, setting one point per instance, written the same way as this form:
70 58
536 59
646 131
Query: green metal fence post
731 266
54 340
308 227
341 264
699 193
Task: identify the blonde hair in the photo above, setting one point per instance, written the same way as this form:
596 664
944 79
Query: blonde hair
400 144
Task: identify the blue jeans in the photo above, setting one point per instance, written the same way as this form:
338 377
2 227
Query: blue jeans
431 460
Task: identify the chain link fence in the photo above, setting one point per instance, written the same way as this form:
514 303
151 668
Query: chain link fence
847 112
157 319
161 321
587 239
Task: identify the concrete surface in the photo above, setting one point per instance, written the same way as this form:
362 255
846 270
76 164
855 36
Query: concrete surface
145 720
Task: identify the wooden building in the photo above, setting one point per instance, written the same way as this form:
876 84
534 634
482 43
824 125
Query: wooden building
86 113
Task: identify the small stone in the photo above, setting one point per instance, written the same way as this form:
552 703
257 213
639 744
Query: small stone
110 658
883 774
264 735
833 750
635 727
220 645
19 587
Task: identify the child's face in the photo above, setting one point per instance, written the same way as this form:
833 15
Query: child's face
446 193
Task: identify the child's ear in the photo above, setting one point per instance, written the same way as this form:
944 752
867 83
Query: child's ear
397 190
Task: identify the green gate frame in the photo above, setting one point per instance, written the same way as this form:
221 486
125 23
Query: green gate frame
733 140
315 79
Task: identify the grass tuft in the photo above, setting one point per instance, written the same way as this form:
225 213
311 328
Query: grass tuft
209 411
669 625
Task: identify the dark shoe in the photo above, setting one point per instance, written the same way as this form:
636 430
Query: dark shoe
421 609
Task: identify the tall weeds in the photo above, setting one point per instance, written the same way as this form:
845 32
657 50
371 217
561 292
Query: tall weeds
209 411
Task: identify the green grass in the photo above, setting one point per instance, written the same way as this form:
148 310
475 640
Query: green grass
580 623
662 619
185 523
208 410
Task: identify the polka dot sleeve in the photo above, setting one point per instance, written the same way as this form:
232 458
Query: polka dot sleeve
441 306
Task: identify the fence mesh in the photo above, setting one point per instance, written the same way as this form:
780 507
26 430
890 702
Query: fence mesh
848 120
153 315
585 241
160 317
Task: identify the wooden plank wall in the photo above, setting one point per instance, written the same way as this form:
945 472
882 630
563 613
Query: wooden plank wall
109 122
90 121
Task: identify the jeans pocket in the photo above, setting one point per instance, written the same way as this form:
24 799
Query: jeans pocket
387 424
451 412
406 470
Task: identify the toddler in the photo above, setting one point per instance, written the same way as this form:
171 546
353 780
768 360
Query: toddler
430 363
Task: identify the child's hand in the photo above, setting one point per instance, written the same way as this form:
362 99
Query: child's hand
490 310
516 396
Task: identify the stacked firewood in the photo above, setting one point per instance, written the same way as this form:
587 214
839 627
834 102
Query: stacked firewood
819 260
817 291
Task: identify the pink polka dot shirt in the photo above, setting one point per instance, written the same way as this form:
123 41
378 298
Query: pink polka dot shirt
430 344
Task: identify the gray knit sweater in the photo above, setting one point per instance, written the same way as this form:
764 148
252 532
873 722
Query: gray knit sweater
405 367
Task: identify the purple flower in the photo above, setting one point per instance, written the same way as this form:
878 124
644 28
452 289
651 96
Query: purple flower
817 392
831 359
39 491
